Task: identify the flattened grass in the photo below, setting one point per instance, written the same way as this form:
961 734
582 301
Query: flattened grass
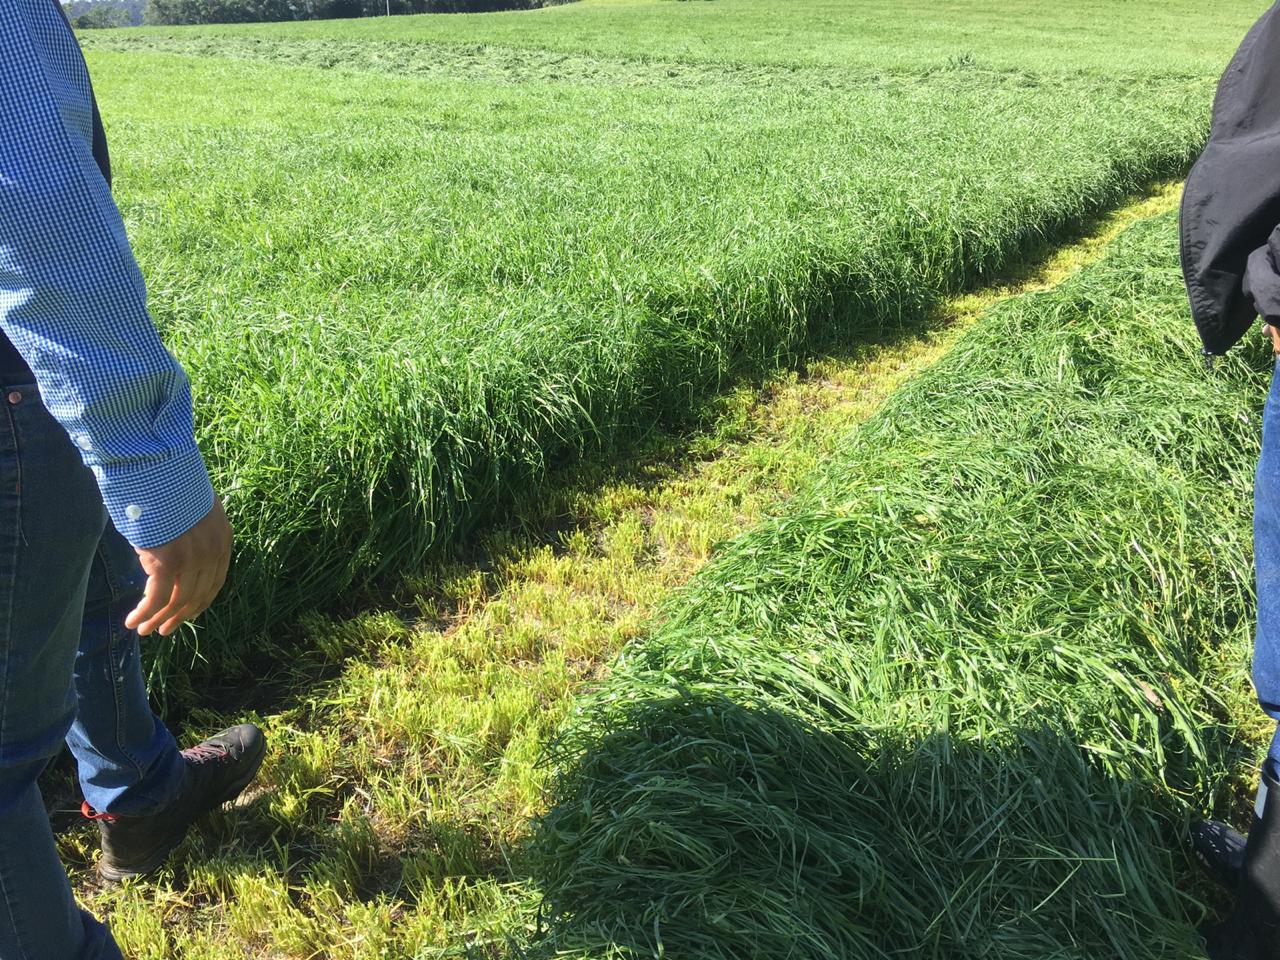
403 300
960 699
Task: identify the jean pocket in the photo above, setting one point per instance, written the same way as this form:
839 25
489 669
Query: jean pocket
61 507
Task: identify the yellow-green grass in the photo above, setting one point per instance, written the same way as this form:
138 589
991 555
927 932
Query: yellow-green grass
404 299
400 782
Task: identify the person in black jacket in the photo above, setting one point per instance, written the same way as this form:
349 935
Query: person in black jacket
1230 237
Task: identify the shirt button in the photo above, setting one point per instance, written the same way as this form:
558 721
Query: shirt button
133 511
84 443
15 397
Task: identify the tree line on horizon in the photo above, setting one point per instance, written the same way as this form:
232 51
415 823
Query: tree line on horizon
94 14
91 14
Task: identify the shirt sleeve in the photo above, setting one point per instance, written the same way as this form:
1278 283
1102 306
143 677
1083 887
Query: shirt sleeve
72 299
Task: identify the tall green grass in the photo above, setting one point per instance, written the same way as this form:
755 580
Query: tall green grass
403 299
959 700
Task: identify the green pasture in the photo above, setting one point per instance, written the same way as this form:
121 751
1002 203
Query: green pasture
961 697
489 320
403 297
1136 38
408 742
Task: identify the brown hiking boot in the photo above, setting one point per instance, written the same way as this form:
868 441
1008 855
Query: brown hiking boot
218 770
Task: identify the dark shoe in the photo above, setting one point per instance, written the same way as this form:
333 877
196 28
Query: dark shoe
1252 930
217 771
1219 849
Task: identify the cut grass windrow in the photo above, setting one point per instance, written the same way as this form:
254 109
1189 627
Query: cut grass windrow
959 699
403 301
396 795
1138 39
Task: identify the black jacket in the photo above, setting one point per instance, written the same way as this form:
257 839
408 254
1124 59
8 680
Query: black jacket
1231 203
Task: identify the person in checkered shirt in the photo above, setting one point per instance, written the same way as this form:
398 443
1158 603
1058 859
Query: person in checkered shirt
109 526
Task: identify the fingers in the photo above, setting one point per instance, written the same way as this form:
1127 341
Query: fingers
156 598
175 602
191 596
190 600
184 575
167 603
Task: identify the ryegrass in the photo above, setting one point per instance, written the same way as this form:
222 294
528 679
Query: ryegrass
401 300
960 698
405 741
1136 39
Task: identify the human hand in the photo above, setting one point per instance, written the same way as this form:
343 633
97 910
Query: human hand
183 575
1274 333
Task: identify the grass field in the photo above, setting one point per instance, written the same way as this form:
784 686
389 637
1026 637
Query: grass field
499 324
394 807
960 698
1177 39
402 298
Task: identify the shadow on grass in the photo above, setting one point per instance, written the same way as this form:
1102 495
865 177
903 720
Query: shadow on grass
696 827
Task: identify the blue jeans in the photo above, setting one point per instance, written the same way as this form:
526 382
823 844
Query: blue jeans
1266 551
69 670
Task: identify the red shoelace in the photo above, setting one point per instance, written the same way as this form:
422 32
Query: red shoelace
88 813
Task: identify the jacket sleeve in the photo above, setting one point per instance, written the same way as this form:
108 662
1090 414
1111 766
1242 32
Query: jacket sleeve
72 300
1261 284
1231 203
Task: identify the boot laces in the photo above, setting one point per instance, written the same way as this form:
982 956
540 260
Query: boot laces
206 753
88 813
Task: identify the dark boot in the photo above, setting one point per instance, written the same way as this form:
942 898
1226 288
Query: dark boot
217 771
1220 850
1252 930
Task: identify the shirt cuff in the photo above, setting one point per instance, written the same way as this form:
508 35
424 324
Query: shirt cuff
158 501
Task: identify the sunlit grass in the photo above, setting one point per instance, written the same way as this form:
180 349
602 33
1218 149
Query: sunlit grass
527 320
398 791
402 301
960 698
1177 37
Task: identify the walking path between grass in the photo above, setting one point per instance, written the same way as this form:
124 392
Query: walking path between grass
405 746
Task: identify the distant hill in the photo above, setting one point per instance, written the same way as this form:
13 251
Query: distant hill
254 11
88 14
92 14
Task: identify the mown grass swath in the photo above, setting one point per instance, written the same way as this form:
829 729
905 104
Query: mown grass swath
394 793
400 299
1177 38
957 701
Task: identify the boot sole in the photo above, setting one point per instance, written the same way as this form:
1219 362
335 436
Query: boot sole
113 873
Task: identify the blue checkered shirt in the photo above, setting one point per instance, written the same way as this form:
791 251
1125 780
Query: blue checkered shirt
72 300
